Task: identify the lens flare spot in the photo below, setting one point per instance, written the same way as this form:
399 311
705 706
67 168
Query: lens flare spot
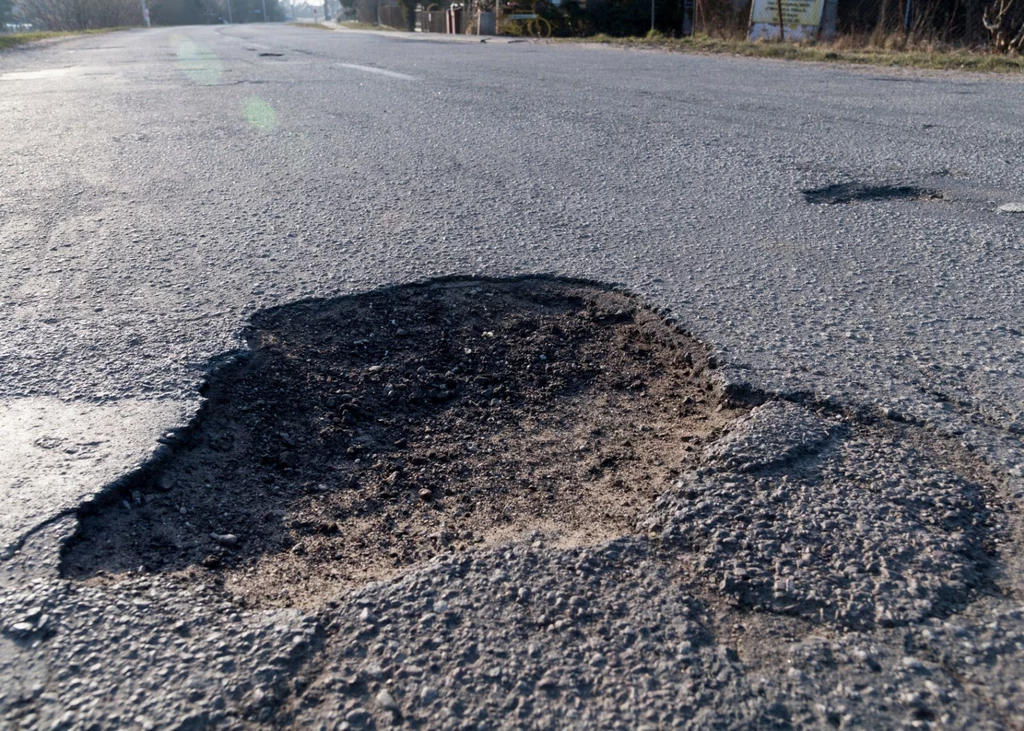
260 114
198 63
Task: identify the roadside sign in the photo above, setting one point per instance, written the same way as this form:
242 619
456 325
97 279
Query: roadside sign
800 19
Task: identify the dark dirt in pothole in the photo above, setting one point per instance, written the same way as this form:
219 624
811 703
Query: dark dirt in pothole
840 193
368 433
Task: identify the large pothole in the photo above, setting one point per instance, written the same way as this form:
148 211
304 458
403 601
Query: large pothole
369 433
857 192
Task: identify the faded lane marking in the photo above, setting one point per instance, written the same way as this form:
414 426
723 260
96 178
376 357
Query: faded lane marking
382 72
43 74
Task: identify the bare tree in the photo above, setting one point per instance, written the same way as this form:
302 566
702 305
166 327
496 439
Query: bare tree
80 14
1004 21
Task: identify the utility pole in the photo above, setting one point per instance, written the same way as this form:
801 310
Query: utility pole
688 14
829 15
145 13
652 16
264 11
229 12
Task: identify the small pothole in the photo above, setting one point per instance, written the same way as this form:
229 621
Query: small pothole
860 192
366 434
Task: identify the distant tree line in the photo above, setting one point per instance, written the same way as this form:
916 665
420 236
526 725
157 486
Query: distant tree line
951 21
191 12
79 14
86 14
882 22
878 22
999 23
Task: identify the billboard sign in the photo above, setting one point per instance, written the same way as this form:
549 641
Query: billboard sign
800 19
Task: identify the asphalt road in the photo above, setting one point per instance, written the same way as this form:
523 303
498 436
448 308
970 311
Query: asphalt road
159 187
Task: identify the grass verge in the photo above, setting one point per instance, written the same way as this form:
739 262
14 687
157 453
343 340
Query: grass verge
960 59
10 40
356 25
350 24
320 25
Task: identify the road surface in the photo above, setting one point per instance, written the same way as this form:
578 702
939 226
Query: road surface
159 187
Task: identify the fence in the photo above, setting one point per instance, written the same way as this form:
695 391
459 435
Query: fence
451 20
431 21
384 12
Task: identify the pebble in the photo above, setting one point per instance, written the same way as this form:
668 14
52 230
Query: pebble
33 614
547 683
912 663
228 540
387 701
357 716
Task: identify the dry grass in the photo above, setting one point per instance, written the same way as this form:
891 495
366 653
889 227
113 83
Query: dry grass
356 25
10 40
319 25
890 51
349 24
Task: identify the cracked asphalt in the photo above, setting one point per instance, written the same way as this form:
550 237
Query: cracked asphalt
158 188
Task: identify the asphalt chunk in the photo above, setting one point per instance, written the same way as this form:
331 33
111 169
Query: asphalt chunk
836 521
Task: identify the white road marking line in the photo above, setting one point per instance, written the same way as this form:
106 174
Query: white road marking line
44 74
382 72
